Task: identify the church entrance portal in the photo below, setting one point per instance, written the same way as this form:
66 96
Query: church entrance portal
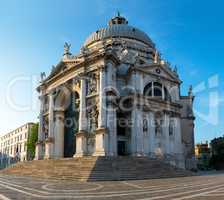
71 125
121 148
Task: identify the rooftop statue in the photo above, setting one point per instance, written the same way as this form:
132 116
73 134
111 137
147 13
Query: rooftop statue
42 76
67 49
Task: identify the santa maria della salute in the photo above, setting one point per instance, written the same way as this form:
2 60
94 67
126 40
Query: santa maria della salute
117 97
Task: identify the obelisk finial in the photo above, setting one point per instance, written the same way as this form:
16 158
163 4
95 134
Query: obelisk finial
118 13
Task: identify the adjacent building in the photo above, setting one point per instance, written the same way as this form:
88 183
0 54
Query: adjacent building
13 146
116 97
203 155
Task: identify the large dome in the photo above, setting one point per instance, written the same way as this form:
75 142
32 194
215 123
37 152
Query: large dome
118 27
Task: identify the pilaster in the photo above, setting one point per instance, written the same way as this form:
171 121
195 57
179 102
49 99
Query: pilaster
102 98
82 113
81 140
102 132
101 142
152 133
39 145
137 132
112 126
180 162
49 142
166 145
59 134
81 144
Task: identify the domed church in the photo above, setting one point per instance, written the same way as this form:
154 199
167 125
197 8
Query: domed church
117 97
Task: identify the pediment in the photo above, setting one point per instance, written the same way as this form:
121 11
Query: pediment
162 71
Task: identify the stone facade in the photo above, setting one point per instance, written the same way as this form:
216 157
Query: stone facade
116 97
13 145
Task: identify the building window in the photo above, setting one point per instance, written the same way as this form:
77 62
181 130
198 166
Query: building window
158 127
155 89
145 125
171 128
25 146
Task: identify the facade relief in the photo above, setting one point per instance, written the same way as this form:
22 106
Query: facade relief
92 84
92 115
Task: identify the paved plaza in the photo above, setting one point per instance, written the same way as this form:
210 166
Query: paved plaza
197 187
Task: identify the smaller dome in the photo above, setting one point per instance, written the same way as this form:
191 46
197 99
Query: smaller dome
118 28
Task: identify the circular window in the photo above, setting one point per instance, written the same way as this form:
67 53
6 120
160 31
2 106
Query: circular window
158 71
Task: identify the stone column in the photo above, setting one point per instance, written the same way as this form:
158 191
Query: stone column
137 82
178 144
81 140
101 132
152 134
163 92
82 113
102 98
111 120
166 138
137 133
146 133
49 142
59 134
152 89
39 145
112 126
81 144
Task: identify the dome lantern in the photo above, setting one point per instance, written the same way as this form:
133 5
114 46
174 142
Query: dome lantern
117 20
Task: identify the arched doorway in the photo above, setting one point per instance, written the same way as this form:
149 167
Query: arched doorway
71 115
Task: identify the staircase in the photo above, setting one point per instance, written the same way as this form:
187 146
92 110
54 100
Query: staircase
97 168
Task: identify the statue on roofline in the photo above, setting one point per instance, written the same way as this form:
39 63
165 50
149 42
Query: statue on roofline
67 47
42 76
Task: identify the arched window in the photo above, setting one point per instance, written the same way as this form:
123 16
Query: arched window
156 89
77 100
148 89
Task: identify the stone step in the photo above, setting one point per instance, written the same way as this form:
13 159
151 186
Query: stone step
97 168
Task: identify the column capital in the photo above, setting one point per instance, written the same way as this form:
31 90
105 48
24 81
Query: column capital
80 76
40 142
102 67
41 97
49 140
81 133
52 92
59 113
101 130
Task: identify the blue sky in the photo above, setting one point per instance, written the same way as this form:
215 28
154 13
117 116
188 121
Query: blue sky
188 33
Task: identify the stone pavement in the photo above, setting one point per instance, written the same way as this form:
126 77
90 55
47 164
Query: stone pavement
198 187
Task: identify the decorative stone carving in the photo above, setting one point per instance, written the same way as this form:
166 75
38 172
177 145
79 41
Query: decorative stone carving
189 111
157 57
76 85
93 114
45 128
158 128
190 91
145 125
91 140
84 50
67 49
171 128
53 68
92 84
42 76
175 70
